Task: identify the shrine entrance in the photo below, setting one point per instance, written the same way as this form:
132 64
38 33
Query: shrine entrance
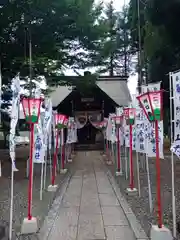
87 124
87 134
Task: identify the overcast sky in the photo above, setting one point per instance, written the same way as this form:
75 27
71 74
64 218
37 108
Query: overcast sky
117 3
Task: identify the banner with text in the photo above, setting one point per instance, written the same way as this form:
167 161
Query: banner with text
175 148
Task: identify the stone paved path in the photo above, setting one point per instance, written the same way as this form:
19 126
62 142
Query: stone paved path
89 208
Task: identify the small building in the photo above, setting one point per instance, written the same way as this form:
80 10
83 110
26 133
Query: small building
90 107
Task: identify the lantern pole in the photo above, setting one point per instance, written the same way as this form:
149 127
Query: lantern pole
119 163
50 147
53 187
119 160
126 162
55 159
107 142
113 140
30 172
151 102
104 140
30 223
63 169
158 178
131 160
131 191
148 178
45 169
62 150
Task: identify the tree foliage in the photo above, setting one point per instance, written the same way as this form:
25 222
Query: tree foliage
63 33
159 36
115 54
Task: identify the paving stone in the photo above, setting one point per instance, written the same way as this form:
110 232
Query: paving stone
63 232
119 233
89 188
90 176
107 189
134 223
90 200
103 186
76 176
68 216
71 201
108 200
103 180
90 209
75 186
113 216
90 227
90 205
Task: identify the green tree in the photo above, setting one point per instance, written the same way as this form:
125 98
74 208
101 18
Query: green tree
63 33
159 36
114 54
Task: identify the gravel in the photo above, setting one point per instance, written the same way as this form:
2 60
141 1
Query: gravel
39 208
140 205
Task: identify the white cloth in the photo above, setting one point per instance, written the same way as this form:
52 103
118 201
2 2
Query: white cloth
14 119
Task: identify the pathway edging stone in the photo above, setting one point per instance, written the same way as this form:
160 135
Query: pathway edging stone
133 221
53 212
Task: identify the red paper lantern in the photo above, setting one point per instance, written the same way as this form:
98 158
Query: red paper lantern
118 120
60 120
31 109
152 104
129 114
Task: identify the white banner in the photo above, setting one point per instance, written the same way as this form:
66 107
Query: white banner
134 137
108 130
15 87
176 95
111 129
47 122
39 149
175 148
71 131
140 131
151 87
127 135
121 134
151 146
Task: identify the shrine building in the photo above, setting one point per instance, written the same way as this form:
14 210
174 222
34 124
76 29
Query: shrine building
90 107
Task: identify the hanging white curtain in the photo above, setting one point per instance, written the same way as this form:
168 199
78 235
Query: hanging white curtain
81 119
95 119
